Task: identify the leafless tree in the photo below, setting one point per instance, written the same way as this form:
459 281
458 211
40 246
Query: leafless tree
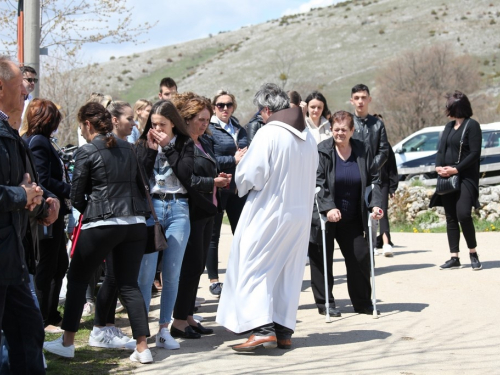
411 88
68 82
68 24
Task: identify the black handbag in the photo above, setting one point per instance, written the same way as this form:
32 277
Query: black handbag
157 241
447 185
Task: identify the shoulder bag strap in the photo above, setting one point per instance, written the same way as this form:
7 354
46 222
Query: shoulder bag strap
462 141
146 187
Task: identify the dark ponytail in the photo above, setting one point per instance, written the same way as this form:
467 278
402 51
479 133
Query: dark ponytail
100 119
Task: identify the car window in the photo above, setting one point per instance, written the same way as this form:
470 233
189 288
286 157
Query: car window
491 139
422 142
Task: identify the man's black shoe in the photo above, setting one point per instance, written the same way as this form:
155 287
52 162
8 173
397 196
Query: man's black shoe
334 312
366 310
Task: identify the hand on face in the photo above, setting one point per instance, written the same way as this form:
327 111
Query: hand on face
160 138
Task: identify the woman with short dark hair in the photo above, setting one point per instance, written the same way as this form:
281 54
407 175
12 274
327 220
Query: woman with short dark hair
454 157
107 191
43 118
344 177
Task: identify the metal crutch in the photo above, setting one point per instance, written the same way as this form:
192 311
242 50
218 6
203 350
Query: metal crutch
322 220
372 266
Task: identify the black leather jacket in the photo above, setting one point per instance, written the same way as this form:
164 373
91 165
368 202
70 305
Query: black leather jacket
371 131
325 178
202 183
107 181
253 126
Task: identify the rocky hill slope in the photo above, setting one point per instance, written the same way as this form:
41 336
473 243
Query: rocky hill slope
330 49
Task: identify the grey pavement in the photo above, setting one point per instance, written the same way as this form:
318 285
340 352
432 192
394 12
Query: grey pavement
431 322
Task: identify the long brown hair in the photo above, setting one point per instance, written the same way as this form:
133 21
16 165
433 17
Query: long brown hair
100 119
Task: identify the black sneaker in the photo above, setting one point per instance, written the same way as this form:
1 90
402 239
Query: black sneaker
475 263
452 264
215 288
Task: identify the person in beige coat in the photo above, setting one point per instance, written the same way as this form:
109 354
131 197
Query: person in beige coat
316 121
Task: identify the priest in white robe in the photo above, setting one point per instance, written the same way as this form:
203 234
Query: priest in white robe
266 264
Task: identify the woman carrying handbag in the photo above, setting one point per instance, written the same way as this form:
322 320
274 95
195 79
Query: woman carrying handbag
459 154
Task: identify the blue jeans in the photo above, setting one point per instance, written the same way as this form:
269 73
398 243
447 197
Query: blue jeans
174 216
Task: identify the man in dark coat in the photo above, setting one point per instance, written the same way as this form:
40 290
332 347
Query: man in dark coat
20 319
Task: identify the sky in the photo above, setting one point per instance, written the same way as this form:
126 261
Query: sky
181 21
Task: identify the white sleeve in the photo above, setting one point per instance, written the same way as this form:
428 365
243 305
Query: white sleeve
252 172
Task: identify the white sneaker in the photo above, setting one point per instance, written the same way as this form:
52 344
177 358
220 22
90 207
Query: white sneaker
119 307
88 309
198 318
165 340
106 338
200 299
376 252
144 357
387 249
130 343
197 304
57 347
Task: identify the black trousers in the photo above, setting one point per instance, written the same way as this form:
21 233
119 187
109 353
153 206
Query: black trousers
458 209
105 305
22 324
384 222
127 244
192 267
356 252
50 272
233 205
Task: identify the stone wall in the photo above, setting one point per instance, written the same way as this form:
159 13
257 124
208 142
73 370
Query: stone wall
411 204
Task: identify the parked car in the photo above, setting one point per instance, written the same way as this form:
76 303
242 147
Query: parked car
425 142
491 138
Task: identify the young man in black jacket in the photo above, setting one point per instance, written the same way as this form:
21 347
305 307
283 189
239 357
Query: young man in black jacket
371 131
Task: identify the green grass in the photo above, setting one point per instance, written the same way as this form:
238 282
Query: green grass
178 69
88 360
480 225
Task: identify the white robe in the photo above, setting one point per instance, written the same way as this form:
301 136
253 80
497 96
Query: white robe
268 254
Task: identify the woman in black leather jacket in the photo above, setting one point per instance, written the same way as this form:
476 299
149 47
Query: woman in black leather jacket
107 191
43 119
204 203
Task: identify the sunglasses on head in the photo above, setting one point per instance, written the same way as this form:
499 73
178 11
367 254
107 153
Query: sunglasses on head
222 105
31 80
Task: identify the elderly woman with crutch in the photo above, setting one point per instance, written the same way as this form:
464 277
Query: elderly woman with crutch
344 178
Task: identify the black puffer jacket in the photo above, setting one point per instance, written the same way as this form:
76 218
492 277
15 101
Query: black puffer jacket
110 179
253 126
325 178
225 147
371 131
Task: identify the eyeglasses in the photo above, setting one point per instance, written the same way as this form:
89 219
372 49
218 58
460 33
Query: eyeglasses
222 105
31 80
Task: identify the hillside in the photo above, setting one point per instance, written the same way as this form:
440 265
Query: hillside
330 49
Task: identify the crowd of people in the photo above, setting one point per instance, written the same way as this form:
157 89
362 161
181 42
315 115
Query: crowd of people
192 160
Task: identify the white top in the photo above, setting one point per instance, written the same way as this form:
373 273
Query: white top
122 220
164 181
321 132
